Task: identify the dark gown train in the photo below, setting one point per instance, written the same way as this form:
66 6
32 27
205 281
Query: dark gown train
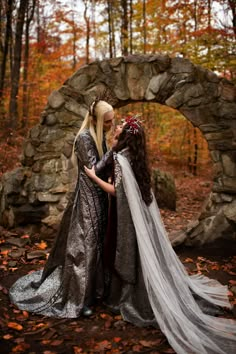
73 275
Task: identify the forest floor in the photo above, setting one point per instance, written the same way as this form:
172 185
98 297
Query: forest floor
103 332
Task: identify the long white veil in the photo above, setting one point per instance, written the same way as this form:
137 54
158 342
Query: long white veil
170 288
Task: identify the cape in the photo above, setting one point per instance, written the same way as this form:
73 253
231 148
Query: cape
150 285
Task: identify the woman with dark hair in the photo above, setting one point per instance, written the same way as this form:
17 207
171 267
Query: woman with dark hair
73 276
136 143
149 285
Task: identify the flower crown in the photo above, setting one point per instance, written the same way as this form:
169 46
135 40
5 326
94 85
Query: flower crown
134 123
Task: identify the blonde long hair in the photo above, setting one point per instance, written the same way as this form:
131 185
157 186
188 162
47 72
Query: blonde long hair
90 122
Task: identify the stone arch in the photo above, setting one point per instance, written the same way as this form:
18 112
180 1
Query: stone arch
37 191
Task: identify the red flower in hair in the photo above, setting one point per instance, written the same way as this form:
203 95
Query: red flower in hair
134 124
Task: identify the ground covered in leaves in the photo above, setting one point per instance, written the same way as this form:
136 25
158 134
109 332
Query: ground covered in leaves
21 253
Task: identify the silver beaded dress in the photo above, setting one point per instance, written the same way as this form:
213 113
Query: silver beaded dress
73 275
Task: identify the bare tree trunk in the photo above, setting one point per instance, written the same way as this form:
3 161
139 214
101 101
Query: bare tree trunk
30 15
209 29
113 34
124 28
232 4
5 47
130 27
195 18
74 61
144 28
109 12
15 75
94 27
38 23
87 21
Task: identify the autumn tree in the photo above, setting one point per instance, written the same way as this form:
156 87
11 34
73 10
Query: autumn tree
15 73
87 22
29 17
112 48
6 10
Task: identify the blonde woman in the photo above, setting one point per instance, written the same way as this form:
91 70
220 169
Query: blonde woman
73 276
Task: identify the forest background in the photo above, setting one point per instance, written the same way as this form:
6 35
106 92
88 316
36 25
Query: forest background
43 42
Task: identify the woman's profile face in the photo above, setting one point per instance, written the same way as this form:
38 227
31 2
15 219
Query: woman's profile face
118 129
108 121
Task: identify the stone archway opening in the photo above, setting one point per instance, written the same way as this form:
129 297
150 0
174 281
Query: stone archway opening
37 192
179 155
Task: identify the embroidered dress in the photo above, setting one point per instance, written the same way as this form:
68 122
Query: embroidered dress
149 284
73 274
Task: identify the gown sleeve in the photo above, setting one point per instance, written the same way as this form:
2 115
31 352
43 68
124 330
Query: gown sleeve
86 150
105 165
87 154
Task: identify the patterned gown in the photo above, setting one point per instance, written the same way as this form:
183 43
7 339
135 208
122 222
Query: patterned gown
150 286
73 275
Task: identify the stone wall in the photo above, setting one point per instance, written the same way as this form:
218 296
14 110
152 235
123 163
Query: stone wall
37 192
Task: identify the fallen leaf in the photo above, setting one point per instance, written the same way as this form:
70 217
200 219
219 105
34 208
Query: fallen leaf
25 236
188 260
77 350
45 341
116 339
13 269
25 314
42 245
215 267
20 348
16 311
105 344
15 325
39 325
105 316
137 348
149 343
56 342
7 336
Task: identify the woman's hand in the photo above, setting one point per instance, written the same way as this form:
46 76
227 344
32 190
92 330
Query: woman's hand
90 172
107 187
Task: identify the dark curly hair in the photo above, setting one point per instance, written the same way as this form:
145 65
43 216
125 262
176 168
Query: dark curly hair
136 142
